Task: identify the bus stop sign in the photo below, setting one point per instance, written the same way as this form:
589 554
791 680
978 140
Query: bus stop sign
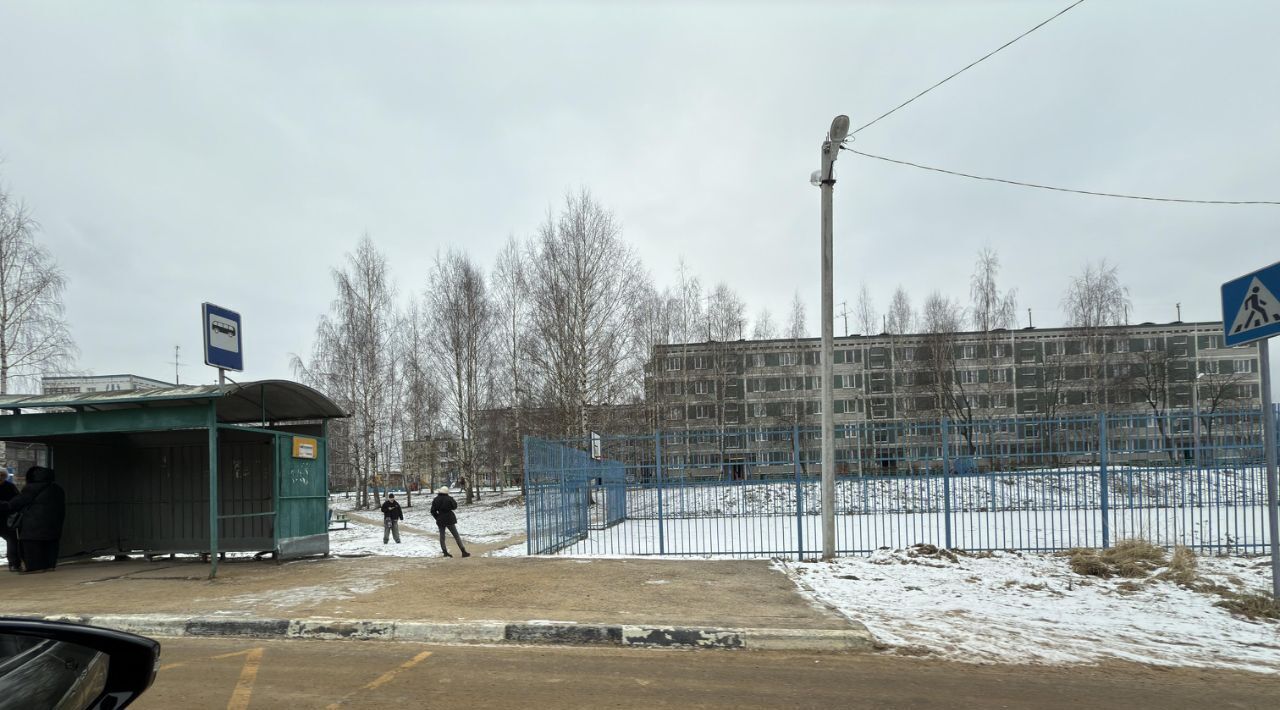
222 338
1250 310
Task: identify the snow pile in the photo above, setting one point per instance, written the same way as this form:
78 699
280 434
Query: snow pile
1027 608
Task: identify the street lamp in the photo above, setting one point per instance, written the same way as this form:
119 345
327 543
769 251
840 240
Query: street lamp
1195 418
826 180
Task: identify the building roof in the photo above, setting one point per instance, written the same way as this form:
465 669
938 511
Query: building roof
237 403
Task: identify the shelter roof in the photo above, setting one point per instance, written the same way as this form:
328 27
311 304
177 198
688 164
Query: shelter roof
236 403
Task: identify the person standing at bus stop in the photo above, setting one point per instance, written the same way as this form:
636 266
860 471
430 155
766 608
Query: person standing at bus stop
391 517
9 491
442 508
42 505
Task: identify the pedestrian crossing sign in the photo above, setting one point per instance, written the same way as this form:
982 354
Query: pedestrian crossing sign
1250 309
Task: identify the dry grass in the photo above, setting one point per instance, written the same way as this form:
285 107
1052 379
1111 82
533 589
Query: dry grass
1250 606
1183 568
1137 559
1129 558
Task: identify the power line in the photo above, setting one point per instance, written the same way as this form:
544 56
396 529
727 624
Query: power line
970 66
1061 189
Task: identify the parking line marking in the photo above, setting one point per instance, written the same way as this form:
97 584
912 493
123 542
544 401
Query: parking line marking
248 674
384 678
179 664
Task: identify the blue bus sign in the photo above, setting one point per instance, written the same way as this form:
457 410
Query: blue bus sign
1250 309
222 338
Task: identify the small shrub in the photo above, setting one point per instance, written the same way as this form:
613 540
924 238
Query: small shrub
1250 606
1183 568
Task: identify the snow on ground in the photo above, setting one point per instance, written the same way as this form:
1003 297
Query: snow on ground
493 519
1030 608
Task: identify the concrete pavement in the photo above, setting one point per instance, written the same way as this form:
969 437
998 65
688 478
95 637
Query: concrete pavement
731 603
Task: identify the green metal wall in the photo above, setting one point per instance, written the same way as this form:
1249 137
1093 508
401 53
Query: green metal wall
303 501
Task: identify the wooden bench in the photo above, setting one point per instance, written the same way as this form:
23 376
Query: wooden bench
339 518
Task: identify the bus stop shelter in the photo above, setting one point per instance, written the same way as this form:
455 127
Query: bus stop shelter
135 467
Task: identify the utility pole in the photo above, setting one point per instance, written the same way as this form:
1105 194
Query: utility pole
1029 324
1179 307
844 312
176 349
826 180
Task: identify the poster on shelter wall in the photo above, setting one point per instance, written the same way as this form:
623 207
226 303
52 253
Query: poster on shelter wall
304 448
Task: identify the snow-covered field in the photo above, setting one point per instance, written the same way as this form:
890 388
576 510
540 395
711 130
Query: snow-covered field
490 520
1032 608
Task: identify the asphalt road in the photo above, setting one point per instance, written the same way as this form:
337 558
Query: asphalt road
238 674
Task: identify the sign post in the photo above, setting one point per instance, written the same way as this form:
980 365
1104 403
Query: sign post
221 350
1250 312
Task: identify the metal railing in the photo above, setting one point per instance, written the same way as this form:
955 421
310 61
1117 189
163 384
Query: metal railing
1001 484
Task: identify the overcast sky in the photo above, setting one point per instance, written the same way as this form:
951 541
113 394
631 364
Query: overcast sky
233 152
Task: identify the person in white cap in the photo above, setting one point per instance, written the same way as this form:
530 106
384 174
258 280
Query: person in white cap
442 510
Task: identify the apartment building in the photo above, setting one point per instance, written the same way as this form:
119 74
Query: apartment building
80 384
746 389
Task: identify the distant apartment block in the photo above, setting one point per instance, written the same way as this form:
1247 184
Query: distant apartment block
97 383
741 390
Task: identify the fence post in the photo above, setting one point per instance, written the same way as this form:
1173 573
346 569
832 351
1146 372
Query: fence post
946 478
528 502
1102 479
657 466
795 457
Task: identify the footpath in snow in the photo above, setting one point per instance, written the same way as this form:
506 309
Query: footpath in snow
495 518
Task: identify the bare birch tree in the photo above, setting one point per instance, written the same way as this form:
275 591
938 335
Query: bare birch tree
461 318
353 362
868 319
1097 303
34 338
990 308
582 285
421 401
901 316
511 311
764 327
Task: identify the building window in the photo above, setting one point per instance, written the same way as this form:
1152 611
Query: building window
755 360
755 385
702 411
673 388
1050 348
788 359
701 387
968 377
908 354
673 363
758 410
1000 401
790 383
673 414
699 362
968 352
999 350
1148 344
1000 375
1122 345
788 409
1244 366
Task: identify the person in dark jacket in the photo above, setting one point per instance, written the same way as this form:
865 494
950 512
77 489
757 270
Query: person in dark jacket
8 491
442 508
391 517
43 505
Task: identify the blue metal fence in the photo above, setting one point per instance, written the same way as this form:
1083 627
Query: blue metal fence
570 495
1001 484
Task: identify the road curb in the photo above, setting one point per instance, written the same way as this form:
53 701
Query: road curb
855 638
